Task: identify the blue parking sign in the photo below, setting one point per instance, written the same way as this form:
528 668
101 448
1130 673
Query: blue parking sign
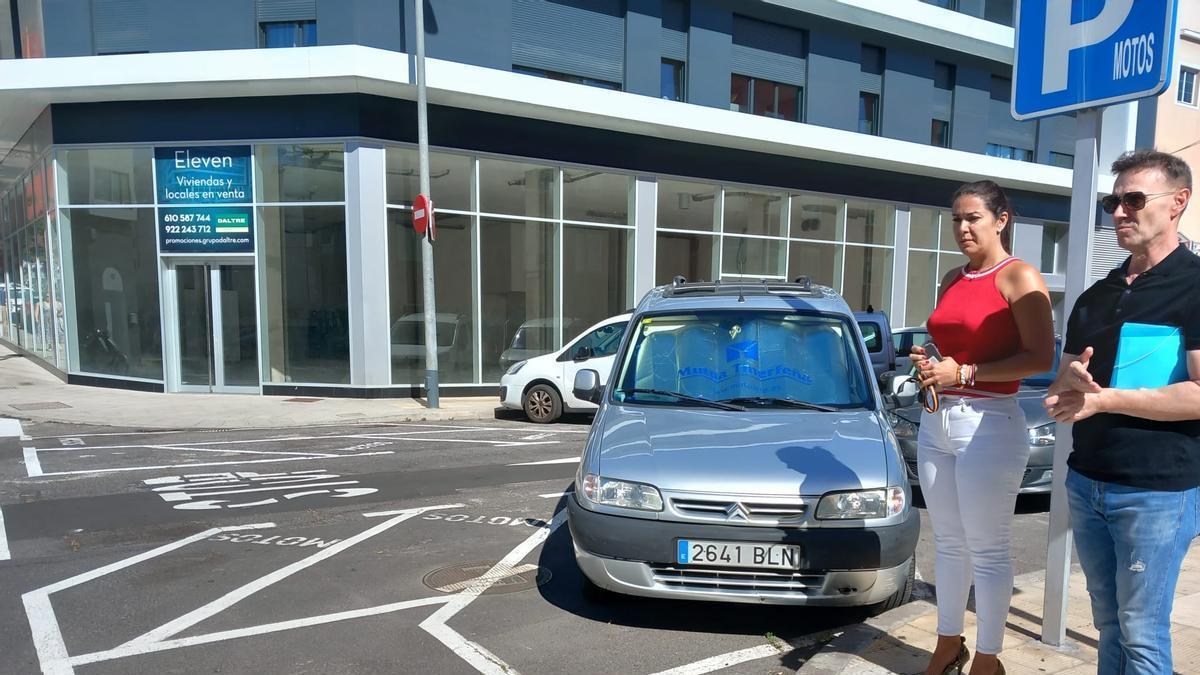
1074 54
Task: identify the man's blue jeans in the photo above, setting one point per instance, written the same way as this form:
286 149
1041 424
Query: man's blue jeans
1131 543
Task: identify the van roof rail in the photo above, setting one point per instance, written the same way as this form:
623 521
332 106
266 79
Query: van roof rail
681 287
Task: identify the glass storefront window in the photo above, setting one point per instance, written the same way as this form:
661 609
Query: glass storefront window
517 189
870 223
304 294
449 179
300 173
820 262
599 284
517 274
692 256
98 176
746 256
816 217
115 264
452 283
948 262
687 206
922 288
58 301
596 197
923 228
748 212
867 281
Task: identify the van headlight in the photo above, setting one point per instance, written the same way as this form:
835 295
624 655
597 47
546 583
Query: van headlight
515 368
861 504
623 493
1042 436
902 427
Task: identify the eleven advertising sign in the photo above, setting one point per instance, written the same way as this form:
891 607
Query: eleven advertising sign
197 190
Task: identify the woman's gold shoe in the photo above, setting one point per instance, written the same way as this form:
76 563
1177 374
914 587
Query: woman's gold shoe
960 661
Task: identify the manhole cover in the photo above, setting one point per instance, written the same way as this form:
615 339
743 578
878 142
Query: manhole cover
508 578
40 405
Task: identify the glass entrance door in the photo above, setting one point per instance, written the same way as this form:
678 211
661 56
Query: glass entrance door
217 329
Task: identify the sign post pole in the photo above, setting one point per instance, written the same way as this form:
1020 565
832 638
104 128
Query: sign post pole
1084 184
431 357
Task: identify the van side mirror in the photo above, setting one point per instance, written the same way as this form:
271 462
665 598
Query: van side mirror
587 386
584 353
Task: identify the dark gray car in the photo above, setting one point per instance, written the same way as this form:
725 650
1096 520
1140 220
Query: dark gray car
740 453
906 423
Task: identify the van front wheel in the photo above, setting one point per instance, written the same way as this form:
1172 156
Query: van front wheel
542 404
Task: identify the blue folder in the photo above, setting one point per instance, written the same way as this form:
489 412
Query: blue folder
1149 357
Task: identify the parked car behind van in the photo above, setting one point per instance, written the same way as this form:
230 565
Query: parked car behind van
740 453
541 386
877 333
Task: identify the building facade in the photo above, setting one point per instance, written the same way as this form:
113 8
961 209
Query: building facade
218 197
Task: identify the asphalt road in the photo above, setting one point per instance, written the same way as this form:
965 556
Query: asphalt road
345 549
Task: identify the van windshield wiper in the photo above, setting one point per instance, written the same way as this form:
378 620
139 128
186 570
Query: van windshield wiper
774 400
721 405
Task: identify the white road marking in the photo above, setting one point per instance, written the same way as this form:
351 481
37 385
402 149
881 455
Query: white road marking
564 460
240 452
47 637
172 628
123 650
499 575
725 660
33 467
437 624
5 554
74 440
556 495
12 427
191 465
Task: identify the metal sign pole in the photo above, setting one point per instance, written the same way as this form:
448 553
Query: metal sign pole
431 357
1084 184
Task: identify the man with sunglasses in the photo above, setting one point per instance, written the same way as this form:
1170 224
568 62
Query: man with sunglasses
1134 477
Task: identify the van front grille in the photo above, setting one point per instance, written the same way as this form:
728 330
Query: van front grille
726 579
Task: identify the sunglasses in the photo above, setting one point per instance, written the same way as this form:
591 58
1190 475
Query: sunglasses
1132 201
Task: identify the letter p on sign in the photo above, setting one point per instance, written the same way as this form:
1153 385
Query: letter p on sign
1077 54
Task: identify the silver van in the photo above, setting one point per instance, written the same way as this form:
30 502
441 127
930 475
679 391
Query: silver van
740 453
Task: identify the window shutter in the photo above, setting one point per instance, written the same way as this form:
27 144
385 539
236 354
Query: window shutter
121 26
585 38
286 10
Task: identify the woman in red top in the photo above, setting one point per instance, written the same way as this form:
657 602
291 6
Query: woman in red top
993 326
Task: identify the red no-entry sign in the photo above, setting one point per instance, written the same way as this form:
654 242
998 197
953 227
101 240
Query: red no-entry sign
423 216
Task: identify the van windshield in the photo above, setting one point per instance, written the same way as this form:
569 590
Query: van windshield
730 356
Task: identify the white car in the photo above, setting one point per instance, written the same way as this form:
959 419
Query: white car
541 386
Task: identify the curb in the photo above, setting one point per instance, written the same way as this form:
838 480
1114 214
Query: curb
839 653
415 416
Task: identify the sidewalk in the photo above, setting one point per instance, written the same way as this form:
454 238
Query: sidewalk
901 641
29 393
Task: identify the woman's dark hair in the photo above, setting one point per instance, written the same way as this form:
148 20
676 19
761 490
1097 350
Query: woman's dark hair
995 200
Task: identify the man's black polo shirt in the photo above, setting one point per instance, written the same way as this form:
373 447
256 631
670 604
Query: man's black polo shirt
1118 448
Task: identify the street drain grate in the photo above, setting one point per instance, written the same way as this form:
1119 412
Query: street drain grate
508 578
301 400
40 405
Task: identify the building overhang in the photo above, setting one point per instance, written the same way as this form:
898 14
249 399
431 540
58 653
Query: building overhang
918 21
29 86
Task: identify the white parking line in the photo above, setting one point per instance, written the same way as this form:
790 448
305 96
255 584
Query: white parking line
173 628
5 554
196 464
256 630
47 637
564 460
437 624
725 660
32 466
